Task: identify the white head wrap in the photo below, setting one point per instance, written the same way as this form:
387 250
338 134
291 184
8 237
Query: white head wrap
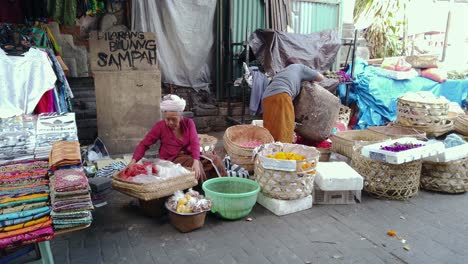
172 103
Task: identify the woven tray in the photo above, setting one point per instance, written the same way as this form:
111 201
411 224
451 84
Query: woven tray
447 177
388 181
421 114
150 191
345 141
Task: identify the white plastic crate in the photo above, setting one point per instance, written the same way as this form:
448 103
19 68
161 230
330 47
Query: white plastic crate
284 207
336 197
430 148
451 154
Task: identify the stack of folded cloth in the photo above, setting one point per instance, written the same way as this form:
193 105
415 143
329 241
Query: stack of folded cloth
24 198
17 139
65 153
70 197
101 188
52 127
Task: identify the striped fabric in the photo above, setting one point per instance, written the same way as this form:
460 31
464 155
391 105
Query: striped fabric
234 170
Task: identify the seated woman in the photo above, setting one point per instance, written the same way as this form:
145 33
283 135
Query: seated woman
179 140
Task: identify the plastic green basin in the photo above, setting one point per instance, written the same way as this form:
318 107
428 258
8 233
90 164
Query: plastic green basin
231 198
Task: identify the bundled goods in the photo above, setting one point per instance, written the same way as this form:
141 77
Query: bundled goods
190 202
24 210
17 139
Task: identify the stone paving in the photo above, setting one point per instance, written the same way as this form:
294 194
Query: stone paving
435 227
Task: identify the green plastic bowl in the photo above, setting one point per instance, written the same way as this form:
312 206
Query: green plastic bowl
231 198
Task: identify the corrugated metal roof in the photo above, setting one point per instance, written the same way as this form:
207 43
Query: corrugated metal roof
311 17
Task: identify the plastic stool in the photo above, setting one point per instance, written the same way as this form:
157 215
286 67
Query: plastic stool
46 254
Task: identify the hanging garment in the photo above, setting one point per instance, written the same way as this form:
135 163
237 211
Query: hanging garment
259 84
63 11
23 81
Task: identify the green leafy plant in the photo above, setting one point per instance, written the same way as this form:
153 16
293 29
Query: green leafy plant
386 27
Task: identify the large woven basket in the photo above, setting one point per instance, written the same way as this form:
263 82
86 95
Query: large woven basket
150 191
447 177
398 132
461 124
345 141
421 114
388 181
236 135
288 185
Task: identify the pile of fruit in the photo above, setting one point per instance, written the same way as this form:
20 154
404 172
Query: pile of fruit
397 147
286 156
190 202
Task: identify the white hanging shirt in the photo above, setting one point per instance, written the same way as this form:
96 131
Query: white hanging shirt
23 81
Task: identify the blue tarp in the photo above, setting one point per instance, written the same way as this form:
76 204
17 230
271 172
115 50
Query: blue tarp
376 96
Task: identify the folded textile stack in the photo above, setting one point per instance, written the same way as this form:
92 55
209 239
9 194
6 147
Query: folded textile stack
52 127
65 153
17 139
24 198
71 201
100 190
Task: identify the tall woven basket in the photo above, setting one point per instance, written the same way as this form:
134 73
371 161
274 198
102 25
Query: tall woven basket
288 185
236 135
447 177
388 181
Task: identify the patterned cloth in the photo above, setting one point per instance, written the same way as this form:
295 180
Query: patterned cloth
33 200
70 180
11 216
22 207
28 236
234 170
21 220
23 230
65 153
111 169
26 224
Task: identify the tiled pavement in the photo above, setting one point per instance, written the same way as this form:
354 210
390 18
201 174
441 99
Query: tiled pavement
435 227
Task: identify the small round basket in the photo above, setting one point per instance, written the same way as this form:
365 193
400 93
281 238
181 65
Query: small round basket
461 124
186 222
236 135
447 177
388 181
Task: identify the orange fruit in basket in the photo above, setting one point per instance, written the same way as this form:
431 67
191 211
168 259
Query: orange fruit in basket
305 166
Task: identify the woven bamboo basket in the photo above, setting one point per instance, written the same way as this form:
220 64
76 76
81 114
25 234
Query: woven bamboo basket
421 114
151 191
236 135
388 181
345 141
344 115
285 185
395 132
461 125
433 131
207 142
447 177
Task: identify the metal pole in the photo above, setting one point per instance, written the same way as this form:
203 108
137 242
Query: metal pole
447 28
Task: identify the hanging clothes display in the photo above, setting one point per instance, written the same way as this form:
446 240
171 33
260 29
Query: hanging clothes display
23 81
63 11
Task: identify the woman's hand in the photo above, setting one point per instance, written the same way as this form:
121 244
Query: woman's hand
133 161
196 168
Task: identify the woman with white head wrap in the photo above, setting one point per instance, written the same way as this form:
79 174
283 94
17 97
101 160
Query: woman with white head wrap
178 136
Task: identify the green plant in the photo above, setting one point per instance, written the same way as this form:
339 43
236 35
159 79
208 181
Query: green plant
385 25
